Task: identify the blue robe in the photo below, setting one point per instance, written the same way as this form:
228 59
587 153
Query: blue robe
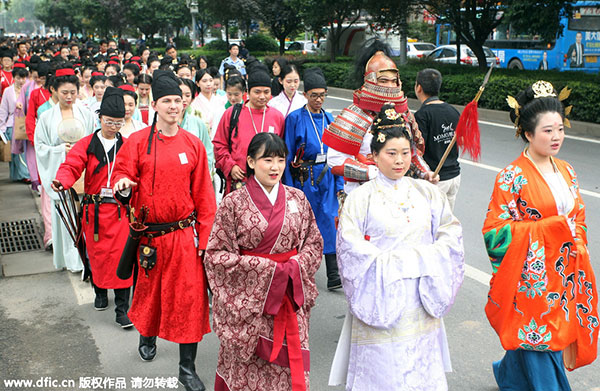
299 129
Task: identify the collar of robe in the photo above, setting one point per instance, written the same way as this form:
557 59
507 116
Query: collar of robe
97 149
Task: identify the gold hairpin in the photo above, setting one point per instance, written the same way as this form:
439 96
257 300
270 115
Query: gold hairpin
391 114
381 138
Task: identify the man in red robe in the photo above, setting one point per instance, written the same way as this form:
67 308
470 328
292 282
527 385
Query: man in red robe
104 220
38 97
231 145
166 169
6 77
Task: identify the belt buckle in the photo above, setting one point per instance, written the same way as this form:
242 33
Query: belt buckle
180 224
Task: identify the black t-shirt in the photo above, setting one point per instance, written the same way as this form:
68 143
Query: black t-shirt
437 123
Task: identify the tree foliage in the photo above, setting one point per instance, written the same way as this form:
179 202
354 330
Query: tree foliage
545 24
282 18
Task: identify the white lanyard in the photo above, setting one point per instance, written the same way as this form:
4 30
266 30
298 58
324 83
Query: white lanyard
315 127
262 125
110 169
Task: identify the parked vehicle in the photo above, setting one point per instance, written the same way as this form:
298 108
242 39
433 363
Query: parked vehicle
306 47
419 49
447 54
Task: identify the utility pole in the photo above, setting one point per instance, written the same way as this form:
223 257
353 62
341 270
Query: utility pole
193 6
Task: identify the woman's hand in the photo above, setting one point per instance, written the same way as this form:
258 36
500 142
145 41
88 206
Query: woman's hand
68 147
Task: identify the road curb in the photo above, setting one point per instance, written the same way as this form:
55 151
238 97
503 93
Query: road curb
578 128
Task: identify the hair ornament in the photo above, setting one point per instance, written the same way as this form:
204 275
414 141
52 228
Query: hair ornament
513 104
392 114
542 89
381 137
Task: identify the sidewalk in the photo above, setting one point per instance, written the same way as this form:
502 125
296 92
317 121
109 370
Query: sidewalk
17 203
578 128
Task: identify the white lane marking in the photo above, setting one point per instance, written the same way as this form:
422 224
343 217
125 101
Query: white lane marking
496 169
584 139
84 292
478 275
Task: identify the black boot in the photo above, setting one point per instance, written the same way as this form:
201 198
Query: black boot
333 278
121 307
147 348
101 300
187 367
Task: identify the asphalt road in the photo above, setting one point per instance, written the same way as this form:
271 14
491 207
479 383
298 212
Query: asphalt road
50 331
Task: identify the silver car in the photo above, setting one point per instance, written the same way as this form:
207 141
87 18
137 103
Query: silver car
447 54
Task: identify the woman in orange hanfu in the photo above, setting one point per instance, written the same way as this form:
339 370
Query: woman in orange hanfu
542 301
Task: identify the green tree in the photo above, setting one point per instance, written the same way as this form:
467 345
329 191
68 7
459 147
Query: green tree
282 18
152 16
547 13
338 15
393 15
62 14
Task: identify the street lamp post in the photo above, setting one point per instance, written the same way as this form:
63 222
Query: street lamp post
193 6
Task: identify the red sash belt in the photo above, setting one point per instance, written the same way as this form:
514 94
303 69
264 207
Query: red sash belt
286 323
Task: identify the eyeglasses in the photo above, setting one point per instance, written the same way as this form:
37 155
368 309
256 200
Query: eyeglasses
318 96
118 124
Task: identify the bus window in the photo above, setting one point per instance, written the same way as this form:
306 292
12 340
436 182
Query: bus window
585 19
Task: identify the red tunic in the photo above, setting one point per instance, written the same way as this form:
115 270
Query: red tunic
6 79
38 97
224 159
105 253
173 181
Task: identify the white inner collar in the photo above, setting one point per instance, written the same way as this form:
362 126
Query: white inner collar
272 196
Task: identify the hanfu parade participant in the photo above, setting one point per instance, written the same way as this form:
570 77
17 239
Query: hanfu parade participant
144 83
207 102
131 123
86 91
105 223
543 301
262 255
348 137
401 258
278 64
289 99
18 166
98 83
307 168
166 169
191 122
57 130
253 117
6 61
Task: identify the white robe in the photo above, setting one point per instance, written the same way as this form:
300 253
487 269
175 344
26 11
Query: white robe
211 110
401 259
50 154
284 105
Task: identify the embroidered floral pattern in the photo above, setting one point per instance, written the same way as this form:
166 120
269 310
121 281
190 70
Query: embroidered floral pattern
510 211
533 277
511 179
534 337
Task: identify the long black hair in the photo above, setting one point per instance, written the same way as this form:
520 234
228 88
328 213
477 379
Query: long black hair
265 145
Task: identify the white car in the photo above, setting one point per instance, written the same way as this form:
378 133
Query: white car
419 49
447 54
303 46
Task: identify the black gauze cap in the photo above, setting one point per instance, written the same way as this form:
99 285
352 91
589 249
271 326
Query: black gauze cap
112 103
164 83
314 78
259 78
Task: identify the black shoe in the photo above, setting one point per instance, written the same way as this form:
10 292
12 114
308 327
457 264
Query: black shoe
124 321
147 348
100 303
333 278
187 368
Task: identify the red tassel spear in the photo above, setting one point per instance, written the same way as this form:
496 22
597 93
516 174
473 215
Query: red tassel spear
467 130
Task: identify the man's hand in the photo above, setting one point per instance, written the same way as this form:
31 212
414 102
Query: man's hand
57 186
429 175
237 173
124 184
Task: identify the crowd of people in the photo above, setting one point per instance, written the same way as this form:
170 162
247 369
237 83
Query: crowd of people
226 183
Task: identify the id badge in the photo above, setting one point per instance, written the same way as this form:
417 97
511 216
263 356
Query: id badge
106 192
321 158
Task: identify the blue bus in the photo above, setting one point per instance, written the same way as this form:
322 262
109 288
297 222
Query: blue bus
578 49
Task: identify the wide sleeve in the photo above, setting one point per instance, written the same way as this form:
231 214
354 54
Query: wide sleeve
30 119
204 198
310 254
223 159
72 168
375 279
240 283
208 145
48 156
4 113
